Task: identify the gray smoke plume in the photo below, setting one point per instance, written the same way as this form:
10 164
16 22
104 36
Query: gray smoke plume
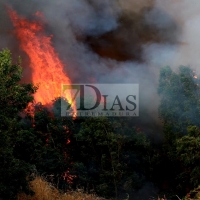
115 41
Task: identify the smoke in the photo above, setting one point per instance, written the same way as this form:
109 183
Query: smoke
186 52
115 41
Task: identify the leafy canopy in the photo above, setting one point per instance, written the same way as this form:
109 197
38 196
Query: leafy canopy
14 97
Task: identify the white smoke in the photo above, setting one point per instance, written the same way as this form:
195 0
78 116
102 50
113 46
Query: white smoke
186 13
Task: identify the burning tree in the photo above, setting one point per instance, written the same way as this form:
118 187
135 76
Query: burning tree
47 68
40 139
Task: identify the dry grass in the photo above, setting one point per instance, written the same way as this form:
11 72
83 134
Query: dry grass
44 191
194 194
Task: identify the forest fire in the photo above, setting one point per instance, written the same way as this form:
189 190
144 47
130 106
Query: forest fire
47 68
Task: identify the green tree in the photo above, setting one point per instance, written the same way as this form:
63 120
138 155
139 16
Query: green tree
14 98
52 134
178 110
180 100
113 155
188 148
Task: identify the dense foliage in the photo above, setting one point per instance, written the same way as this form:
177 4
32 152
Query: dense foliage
108 156
112 155
179 111
14 97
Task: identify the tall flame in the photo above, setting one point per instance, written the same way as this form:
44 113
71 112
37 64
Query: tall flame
47 68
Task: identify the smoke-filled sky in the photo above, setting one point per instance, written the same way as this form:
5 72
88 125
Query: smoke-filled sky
115 41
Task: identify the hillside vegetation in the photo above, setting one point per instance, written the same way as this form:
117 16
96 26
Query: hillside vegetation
113 157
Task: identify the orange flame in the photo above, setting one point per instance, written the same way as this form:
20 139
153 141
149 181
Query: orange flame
47 69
